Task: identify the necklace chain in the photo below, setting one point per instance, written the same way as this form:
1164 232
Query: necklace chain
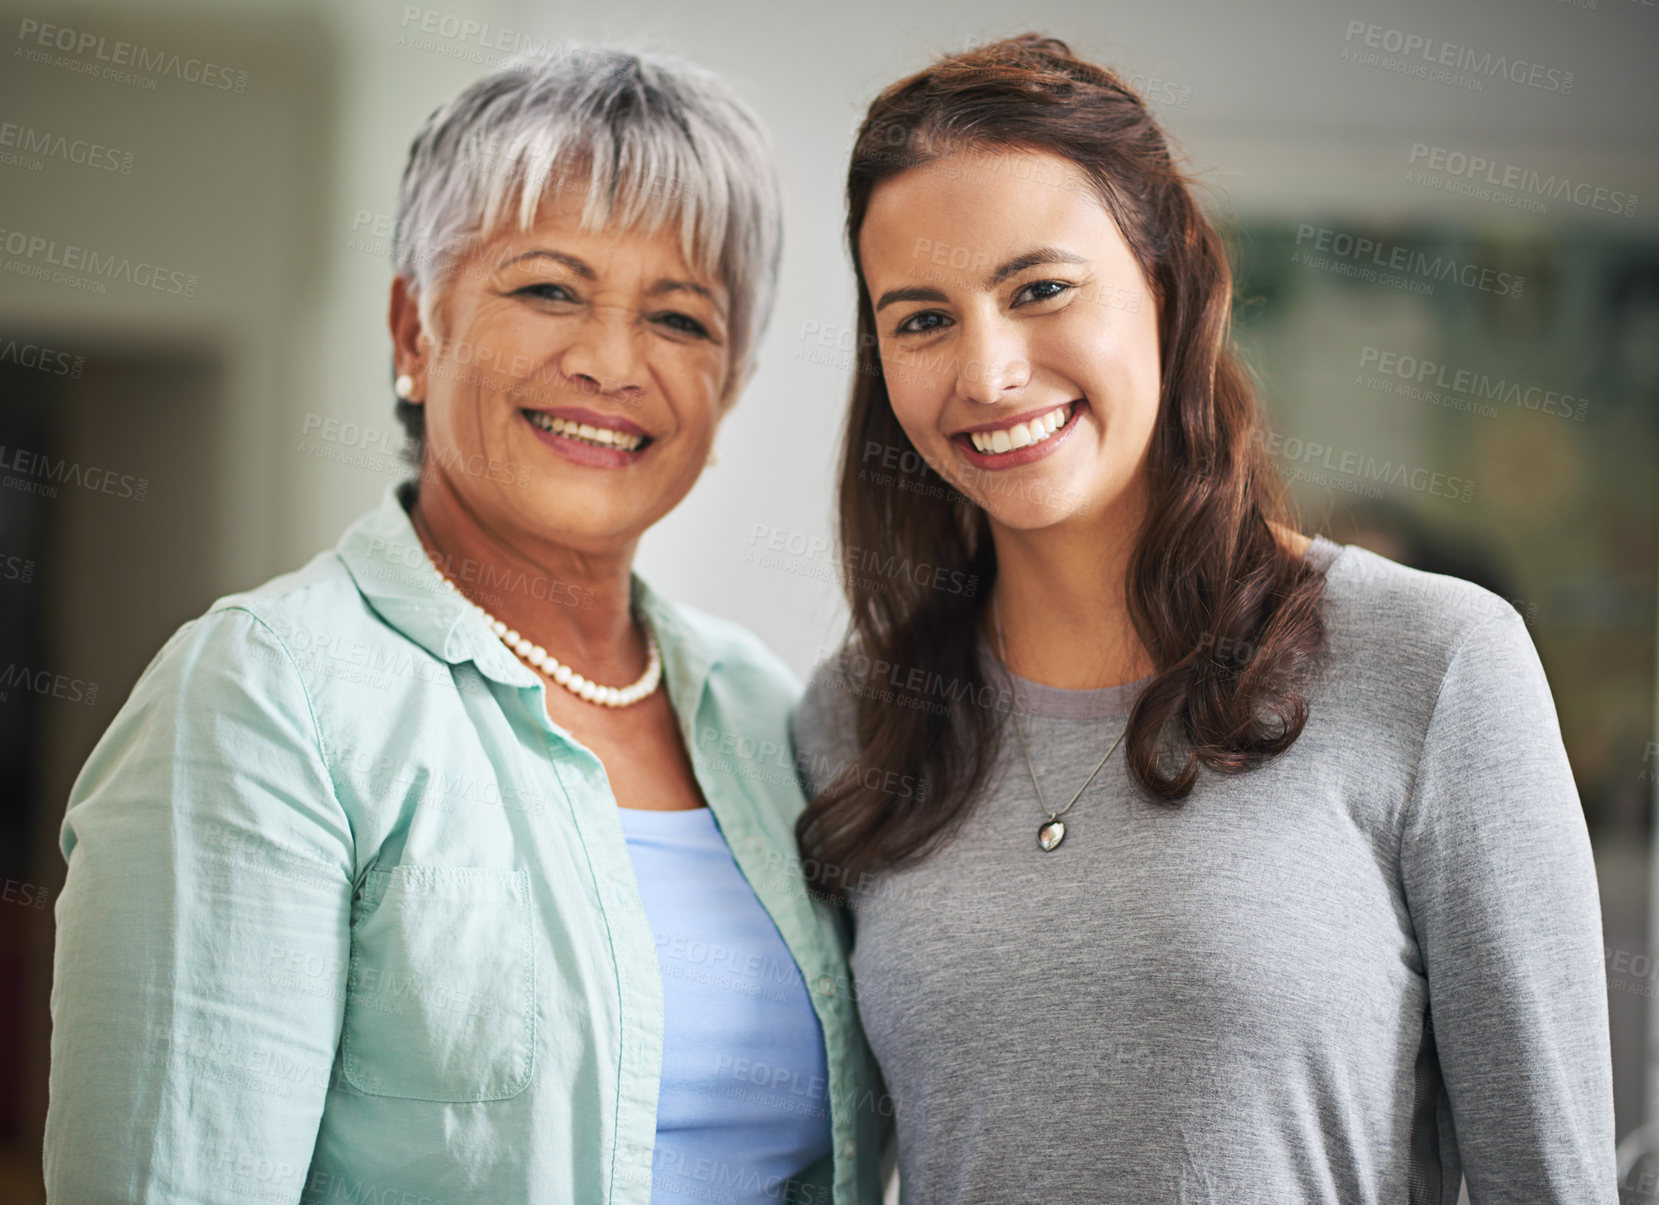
1051 834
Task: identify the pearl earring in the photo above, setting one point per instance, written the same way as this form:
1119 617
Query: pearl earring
404 386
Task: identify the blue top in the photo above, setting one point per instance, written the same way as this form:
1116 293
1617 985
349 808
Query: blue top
743 1105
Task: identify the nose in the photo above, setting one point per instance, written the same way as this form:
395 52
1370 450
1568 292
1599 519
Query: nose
604 359
993 363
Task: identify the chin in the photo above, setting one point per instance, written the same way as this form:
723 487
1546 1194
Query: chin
1022 515
1023 501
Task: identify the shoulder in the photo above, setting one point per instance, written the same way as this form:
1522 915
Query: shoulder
1379 603
824 726
316 606
828 703
269 642
260 615
736 655
224 702
1394 633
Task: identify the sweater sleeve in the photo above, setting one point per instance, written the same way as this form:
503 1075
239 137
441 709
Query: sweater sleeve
1501 887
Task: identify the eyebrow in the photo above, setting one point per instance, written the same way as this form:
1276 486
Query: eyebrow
586 272
1042 255
691 286
914 293
1028 259
578 266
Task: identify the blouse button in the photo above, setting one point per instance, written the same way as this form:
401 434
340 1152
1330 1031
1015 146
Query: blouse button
848 1149
826 985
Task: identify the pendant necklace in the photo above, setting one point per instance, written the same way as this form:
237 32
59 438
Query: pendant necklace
1052 831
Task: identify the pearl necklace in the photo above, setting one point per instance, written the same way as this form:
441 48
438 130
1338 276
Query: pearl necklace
540 659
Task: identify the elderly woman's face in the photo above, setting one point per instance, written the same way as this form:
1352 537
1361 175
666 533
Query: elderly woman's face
581 375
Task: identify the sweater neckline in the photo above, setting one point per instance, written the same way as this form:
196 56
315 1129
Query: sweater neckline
1101 702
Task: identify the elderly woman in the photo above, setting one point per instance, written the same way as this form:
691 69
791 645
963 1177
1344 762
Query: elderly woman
435 870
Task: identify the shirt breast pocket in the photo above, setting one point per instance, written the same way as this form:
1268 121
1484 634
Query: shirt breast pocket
440 999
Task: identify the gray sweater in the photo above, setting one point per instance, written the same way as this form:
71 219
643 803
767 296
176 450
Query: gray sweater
1345 978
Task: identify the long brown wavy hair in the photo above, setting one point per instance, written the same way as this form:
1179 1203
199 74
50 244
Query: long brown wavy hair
1230 618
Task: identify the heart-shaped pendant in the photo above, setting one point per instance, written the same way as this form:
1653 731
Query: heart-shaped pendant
1051 834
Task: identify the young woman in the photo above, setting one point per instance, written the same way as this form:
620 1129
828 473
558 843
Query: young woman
1249 867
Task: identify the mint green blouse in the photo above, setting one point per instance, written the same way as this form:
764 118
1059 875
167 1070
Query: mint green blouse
348 918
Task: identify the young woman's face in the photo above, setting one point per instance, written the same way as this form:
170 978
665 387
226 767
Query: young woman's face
1018 337
582 377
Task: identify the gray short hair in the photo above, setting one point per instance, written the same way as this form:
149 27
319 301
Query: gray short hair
651 137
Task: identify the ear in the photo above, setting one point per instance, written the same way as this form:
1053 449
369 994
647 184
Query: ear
409 348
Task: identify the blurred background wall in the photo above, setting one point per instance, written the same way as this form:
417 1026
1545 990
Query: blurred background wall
207 403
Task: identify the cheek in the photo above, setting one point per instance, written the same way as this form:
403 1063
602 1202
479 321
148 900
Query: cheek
1148 353
1118 361
489 357
918 419
693 380
519 352
916 395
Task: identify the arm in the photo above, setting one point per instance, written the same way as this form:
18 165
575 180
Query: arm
202 934
821 731
1501 887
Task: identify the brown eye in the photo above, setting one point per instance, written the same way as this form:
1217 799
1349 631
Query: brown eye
934 320
685 324
546 291
1042 290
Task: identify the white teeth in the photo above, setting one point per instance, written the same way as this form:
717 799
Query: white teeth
1021 435
602 437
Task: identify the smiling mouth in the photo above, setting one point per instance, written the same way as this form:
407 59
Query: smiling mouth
587 433
1021 435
